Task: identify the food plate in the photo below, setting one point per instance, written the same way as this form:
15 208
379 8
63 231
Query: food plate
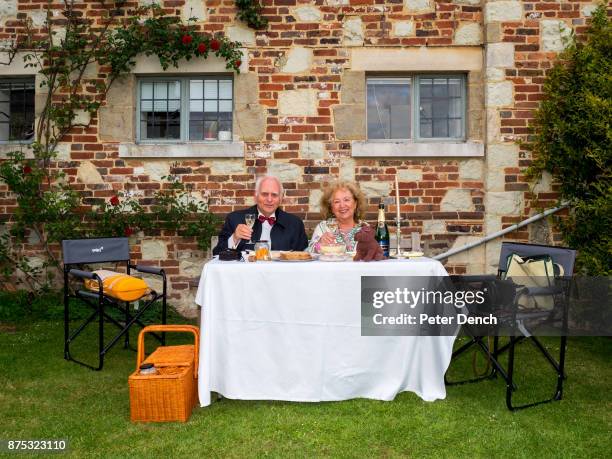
293 261
335 258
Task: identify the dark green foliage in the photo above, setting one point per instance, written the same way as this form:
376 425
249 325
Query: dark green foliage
573 141
249 11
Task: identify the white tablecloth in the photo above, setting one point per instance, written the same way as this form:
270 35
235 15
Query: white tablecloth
292 331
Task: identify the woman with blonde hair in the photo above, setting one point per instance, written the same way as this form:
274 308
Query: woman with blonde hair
344 202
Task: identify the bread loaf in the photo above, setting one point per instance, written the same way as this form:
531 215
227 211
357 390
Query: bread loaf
295 256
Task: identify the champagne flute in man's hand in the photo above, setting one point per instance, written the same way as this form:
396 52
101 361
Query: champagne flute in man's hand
249 220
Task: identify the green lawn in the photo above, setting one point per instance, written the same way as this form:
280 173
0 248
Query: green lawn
44 396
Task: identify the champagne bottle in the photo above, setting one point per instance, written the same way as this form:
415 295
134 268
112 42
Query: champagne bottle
382 230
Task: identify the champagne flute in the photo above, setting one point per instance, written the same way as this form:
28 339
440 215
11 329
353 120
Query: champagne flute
249 220
332 225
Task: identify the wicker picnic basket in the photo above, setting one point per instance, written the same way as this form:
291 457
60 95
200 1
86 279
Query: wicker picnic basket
171 393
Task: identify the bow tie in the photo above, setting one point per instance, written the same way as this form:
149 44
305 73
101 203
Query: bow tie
270 220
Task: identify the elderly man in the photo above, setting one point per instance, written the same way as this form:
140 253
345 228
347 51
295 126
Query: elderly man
284 231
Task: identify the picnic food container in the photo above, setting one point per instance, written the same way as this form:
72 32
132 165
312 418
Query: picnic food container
172 391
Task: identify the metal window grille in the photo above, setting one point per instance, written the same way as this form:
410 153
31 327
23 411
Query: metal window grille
16 110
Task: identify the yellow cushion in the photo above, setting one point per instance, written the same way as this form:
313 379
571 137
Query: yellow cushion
117 285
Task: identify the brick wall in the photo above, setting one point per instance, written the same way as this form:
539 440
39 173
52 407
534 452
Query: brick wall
297 68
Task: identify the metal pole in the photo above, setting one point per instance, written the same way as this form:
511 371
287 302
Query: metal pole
516 226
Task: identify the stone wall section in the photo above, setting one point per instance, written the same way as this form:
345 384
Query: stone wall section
299 103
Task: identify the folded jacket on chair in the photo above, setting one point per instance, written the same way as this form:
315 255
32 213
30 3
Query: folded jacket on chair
118 285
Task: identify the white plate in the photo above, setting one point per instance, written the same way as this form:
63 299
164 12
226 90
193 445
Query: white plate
335 258
293 261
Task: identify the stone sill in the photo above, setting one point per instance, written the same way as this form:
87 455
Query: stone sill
8 147
362 148
182 150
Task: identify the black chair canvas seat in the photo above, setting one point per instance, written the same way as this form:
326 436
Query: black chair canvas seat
519 322
79 252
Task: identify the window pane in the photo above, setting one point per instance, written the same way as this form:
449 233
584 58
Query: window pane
454 87
160 90
196 106
388 108
146 91
174 105
160 106
196 89
225 125
225 89
16 110
160 110
455 128
211 116
455 108
210 105
196 116
225 105
174 90
196 130
210 130
426 87
210 89
440 88
441 107
426 128
440 128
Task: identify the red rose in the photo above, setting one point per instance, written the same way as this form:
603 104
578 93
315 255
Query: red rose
215 44
128 231
187 39
202 48
27 170
114 201
237 63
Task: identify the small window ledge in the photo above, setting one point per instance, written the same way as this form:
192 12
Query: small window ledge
182 150
8 147
370 149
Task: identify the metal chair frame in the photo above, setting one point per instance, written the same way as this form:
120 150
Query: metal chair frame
561 255
87 251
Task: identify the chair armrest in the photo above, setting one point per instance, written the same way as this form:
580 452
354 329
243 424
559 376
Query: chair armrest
149 269
83 274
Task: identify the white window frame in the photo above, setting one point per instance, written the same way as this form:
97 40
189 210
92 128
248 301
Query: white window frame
21 79
415 107
184 107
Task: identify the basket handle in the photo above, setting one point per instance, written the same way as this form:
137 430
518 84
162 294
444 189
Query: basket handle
169 328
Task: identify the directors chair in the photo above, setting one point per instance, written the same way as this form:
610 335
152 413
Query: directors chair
105 291
525 304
